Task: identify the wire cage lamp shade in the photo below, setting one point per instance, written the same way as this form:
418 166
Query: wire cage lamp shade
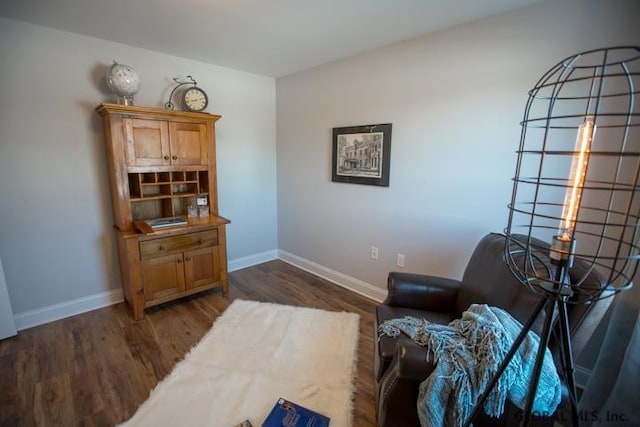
575 192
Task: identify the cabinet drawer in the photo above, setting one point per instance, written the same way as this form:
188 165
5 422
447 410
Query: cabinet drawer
167 245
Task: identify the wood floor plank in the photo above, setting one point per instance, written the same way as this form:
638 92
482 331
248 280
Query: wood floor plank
96 368
53 403
87 395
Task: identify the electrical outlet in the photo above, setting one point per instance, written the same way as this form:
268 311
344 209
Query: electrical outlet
374 252
400 260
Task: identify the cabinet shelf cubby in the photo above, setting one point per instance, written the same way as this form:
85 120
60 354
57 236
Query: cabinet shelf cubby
164 194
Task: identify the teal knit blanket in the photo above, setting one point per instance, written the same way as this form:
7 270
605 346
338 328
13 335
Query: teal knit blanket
467 353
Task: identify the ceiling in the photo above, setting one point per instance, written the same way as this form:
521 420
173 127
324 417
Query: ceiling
269 37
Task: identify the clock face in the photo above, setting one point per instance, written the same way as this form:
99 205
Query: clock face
195 99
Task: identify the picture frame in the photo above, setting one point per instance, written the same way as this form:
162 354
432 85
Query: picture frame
362 154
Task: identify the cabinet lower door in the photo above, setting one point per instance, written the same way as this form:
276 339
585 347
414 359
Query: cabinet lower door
162 276
202 266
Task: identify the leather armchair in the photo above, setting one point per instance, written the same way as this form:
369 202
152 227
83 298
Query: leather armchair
401 365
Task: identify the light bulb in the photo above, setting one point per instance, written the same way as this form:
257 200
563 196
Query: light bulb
586 131
563 244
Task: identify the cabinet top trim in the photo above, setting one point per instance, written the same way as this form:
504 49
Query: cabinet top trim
107 108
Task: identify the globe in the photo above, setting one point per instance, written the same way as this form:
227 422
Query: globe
123 81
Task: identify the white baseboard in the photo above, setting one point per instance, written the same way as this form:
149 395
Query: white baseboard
40 316
355 285
248 261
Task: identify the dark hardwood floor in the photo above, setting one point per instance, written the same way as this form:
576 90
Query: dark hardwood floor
96 368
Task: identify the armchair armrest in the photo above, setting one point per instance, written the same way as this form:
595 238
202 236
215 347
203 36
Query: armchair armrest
421 292
399 386
412 361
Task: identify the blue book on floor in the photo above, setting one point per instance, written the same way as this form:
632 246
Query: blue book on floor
289 414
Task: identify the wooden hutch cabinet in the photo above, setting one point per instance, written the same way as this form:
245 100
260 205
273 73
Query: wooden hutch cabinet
160 162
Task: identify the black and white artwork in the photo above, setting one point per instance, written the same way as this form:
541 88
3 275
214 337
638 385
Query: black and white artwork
361 154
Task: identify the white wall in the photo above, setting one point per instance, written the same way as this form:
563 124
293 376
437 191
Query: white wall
56 238
455 99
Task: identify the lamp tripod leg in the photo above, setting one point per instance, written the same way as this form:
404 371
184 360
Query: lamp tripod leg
567 361
507 359
537 367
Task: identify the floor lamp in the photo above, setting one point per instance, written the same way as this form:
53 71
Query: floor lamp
577 189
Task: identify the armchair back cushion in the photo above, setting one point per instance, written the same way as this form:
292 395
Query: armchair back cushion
488 280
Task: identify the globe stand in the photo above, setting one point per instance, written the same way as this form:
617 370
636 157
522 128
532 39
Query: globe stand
125 100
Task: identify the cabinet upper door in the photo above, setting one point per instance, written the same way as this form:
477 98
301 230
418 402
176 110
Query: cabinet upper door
147 142
188 144
162 143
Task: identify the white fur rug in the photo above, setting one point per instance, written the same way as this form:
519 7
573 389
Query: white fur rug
254 354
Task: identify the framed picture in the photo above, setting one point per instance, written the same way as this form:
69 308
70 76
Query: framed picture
361 154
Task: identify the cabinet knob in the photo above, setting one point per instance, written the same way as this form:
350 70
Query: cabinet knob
161 248
200 241
166 157
174 157
179 260
187 259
